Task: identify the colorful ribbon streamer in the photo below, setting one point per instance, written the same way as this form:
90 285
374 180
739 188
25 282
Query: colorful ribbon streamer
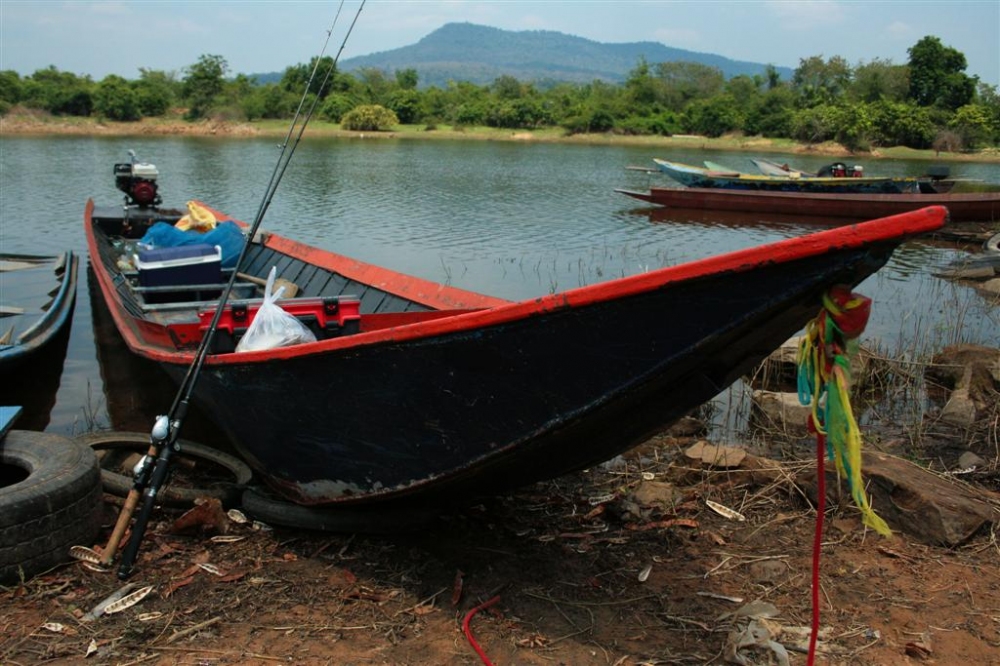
824 381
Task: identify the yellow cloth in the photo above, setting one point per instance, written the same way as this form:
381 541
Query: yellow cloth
198 219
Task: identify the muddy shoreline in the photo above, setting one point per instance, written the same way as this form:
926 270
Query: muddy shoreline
25 123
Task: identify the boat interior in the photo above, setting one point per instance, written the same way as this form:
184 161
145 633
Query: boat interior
181 294
32 285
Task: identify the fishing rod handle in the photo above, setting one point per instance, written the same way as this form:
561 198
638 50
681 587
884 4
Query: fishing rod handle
128 508
149 495
124 517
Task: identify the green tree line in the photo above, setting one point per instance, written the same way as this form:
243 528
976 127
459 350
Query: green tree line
928 102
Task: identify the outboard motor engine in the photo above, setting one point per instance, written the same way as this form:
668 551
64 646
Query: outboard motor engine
835 170
138 181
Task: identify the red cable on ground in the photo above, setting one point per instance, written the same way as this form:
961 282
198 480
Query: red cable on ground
817 543
468 632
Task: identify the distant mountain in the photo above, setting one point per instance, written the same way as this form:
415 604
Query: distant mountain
479 54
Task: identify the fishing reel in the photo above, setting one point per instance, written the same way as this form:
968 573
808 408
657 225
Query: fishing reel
138 181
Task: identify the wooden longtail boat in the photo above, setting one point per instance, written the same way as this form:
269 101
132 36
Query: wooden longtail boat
962 207
937 180
421 391
693 176
39 295
769 168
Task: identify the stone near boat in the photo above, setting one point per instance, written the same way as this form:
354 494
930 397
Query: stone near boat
971 375
781 411
933 508
990 287
714 455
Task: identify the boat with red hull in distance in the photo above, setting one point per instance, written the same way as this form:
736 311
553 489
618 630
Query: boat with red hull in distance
418 392
962 207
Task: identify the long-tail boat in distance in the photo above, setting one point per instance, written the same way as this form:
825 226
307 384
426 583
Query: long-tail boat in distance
841 207
845 181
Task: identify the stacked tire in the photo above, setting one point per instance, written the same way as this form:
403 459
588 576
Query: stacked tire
50 500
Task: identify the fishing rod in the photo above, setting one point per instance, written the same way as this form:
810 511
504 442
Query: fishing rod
152 472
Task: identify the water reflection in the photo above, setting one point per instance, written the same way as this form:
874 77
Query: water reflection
783 223
135 390
34 384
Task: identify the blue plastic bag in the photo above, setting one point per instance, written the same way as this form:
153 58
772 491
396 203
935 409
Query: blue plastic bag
227 235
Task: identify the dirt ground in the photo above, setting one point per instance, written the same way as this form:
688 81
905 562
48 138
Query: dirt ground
625 564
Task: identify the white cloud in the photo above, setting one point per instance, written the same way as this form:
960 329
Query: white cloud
806 14
900 29
107 8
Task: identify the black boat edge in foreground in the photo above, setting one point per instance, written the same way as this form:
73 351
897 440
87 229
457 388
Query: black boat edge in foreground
421 391
39 296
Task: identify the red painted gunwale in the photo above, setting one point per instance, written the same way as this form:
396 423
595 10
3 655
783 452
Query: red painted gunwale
152 341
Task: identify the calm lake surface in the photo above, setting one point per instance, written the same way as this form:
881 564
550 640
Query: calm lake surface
514 220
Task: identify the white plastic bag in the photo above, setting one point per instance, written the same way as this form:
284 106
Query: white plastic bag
272 327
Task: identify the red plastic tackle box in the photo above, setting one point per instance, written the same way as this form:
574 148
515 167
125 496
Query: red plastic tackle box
328 317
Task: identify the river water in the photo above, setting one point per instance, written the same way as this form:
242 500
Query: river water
511 219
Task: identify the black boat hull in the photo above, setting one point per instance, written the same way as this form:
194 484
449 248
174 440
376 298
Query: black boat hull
487 409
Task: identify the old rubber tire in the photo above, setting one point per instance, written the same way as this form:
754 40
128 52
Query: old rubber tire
227 490
260 504
50 500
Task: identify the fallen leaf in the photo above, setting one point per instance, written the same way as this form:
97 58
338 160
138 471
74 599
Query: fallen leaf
222 538
176 585
663 524
456 587
232 576
917 650
237 516
94 567
725 511
920 649
85 554
205 517
600 499
723 597
190 571
99 610
212 569
714 538
128 601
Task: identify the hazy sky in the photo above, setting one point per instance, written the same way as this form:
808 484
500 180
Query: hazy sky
100 38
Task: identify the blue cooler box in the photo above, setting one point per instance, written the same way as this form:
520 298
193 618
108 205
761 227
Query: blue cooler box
183 265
